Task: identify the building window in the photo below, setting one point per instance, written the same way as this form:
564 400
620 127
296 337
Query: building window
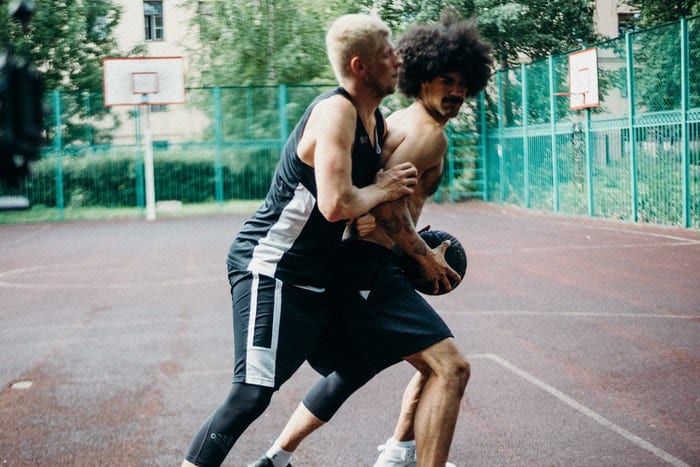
153 18
627 22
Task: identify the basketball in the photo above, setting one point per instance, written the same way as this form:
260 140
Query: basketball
455 256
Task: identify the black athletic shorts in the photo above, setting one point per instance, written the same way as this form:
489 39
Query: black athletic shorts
275 326
376 317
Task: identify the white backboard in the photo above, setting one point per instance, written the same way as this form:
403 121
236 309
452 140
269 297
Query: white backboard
583 79
141 80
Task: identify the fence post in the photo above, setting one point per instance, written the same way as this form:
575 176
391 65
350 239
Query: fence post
685 104
218 141
631 119
58 150
553 131
526 149
451 162
499 147
484 147
282 111
249 108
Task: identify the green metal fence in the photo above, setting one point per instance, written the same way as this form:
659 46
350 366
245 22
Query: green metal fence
215 153
634 158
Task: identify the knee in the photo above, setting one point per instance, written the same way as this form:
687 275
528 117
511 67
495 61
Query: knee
247 400
462 371
456 372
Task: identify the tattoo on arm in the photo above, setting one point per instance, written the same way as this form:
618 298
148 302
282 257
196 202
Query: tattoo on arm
396 224
392 224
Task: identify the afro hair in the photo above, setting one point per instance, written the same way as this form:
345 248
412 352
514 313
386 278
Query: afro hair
453 45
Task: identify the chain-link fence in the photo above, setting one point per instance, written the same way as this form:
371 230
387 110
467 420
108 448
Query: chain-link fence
217 150
215 153
636 157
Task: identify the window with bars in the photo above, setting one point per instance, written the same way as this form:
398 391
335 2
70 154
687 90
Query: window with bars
153 19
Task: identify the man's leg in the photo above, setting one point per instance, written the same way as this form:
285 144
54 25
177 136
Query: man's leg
411 395
438 407
212 443
400 449
300 425
321 402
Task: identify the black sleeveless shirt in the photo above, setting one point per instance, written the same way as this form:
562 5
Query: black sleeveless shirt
288 238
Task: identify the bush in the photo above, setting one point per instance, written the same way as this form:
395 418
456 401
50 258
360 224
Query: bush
115 179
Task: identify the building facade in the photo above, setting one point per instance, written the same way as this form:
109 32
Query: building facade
156 28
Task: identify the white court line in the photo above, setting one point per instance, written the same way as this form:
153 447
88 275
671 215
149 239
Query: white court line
6 279
564 314
601 246
660 453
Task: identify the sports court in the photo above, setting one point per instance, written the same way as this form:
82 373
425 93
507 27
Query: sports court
583 335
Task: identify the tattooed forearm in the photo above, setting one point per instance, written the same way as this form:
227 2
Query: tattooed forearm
419 249
391 224
394 223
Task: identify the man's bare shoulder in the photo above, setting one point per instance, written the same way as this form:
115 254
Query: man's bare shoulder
334 107
414 120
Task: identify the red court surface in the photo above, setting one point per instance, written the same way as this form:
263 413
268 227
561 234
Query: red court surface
583 335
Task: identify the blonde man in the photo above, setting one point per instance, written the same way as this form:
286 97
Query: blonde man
278 263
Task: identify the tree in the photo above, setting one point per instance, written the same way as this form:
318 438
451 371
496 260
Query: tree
263 42
66 40
259 42
655 12
517 29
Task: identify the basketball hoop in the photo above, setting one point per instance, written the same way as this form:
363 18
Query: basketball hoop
583 79
144 81
127 80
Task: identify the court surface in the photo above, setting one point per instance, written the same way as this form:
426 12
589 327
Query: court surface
583 335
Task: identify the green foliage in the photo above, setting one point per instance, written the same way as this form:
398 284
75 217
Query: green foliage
66 40
260 42
532 28
116 179
655 12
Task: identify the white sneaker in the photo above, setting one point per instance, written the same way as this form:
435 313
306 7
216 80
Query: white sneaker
391 455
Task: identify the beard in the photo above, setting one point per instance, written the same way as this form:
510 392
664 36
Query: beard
379 88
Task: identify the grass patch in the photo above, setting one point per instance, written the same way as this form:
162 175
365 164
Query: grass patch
45 214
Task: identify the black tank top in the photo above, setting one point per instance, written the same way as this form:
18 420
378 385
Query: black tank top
288 237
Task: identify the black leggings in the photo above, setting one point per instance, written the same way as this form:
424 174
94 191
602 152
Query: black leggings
244 404
330 392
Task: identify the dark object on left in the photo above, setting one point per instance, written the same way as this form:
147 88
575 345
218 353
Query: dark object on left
22 108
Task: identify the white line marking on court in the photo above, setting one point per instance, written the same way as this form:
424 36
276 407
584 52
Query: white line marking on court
13 279
564 314
650 234
660 453
609 246
113 285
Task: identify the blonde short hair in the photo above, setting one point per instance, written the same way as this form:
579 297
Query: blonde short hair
354 35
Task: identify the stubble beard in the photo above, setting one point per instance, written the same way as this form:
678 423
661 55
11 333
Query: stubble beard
380 90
